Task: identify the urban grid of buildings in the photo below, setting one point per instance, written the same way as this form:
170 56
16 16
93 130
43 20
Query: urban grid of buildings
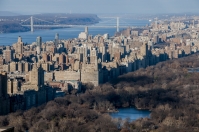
32 74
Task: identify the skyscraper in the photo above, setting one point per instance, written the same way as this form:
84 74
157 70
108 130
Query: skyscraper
93 55
8 54
57 36
36 76
56 39
39 42
144 49
86 30
19 46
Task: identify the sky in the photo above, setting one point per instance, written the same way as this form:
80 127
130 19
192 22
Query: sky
100 6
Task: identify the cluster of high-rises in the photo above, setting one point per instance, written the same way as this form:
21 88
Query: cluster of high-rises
32 73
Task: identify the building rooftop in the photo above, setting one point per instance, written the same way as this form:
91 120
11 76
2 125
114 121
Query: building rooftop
7 129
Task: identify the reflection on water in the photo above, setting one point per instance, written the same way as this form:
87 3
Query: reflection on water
193 69
130 113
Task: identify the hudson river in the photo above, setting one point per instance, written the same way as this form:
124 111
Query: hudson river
66 33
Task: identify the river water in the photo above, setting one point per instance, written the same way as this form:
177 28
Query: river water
130 113
66 33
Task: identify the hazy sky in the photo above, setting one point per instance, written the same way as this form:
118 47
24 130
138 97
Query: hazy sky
100 6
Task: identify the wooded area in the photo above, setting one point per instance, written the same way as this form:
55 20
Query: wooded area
167 89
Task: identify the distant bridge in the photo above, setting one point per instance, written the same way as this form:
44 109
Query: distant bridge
35 22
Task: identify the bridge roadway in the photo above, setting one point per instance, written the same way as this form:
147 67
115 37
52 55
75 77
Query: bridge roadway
66 26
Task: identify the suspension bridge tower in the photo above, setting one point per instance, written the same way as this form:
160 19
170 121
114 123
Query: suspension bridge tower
31 24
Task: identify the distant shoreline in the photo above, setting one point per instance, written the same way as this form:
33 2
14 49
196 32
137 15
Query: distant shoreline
14 24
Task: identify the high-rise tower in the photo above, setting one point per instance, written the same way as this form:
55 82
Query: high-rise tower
56 39
8 54
19 46
37 76
39 42
144 49
86 30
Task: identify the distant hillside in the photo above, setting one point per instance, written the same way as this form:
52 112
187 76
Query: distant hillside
8 13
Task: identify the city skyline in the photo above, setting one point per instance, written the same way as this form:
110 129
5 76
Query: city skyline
99 66
89 6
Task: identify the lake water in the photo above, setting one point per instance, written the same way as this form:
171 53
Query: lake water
192 70
66 33
130 113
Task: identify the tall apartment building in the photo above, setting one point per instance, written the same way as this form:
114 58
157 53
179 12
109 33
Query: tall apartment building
37 76
13 66
62 58
39 43
1 63
93 56
56 39
4 98
20 66
103 53
144 49
8 54
86 30
19 46
35 86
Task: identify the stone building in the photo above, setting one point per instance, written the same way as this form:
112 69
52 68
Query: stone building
67 75
8 54
1 63
91 73
13 66
36 83
19 46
